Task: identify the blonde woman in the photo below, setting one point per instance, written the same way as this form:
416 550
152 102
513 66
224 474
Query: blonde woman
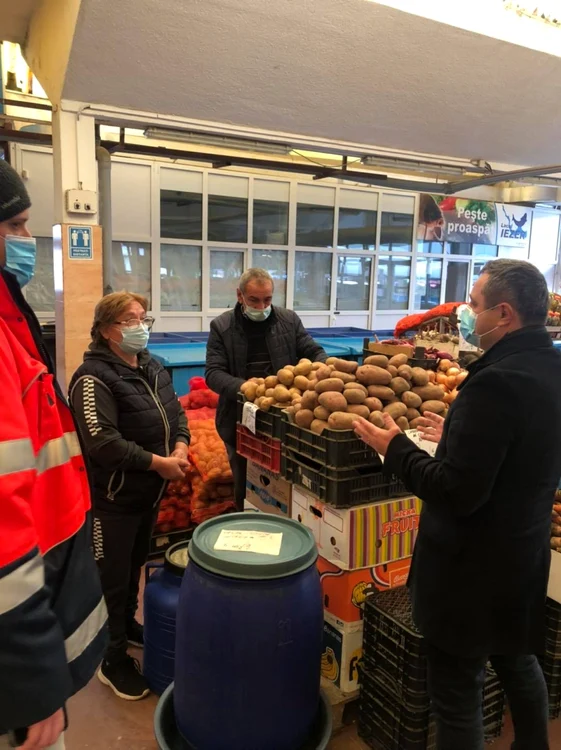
136 437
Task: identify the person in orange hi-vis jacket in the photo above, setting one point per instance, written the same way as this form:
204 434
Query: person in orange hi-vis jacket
52 613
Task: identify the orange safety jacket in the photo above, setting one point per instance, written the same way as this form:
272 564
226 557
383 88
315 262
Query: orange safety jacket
52 613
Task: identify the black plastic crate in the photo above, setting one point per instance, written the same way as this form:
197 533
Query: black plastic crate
552 672
341 488
162 541
266 422
553 629
337 448
387 724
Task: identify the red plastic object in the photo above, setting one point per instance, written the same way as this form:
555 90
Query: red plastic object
265 451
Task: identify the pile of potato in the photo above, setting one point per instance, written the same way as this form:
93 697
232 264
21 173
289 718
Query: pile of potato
333 395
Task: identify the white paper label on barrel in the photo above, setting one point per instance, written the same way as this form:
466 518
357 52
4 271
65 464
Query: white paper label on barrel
238 540
248 416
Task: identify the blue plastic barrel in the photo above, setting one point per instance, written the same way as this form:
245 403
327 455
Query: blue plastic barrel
161 597
249 636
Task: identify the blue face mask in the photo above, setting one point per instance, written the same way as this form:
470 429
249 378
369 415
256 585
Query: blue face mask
134 339
258 316
21 253
467 321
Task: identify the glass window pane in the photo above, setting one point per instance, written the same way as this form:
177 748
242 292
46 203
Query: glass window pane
315 216
40 292
131 268
275 262
477 268
430 247
270 212
396 233
428 283
181 215
456 281
227 208
353 282
312 282
458 248
485 251
544 239
357 229
393 281
180 278
517 253
226 267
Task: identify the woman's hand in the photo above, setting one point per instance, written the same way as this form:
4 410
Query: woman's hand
45 733
430 427
180 451
375 437
172 468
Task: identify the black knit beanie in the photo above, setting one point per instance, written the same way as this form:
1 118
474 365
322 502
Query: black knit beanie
14 198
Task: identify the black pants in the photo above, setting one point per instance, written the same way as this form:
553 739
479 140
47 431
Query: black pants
455 687
121 545
238 464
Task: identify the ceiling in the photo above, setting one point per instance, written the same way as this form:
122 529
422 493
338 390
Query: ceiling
346 70
14 19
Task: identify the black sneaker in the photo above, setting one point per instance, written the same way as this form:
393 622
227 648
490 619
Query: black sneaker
124 678
135 634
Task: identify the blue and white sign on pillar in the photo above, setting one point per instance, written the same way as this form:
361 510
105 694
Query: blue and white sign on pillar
80 243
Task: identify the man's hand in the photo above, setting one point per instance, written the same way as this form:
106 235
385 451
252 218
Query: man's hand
375 437
430 426
45 733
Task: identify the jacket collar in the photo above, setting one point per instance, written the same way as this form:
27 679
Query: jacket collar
525 339
105 354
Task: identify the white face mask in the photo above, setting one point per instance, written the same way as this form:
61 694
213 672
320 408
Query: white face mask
134 339
257 316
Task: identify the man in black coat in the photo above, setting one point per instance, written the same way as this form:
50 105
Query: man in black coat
481 563
254 340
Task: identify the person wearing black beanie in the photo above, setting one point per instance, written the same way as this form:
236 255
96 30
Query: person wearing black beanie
52 613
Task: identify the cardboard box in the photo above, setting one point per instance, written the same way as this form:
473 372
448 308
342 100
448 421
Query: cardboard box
342 652
363 536
344 592
390 350
267 492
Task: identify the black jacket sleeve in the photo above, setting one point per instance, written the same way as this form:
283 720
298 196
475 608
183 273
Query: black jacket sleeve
97 418
478 435
183 433
306 347
217 376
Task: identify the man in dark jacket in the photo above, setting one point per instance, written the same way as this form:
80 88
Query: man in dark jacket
254 340
481 563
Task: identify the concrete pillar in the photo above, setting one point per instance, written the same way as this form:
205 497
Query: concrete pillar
77 240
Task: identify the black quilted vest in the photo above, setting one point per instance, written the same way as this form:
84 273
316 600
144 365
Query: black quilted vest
148 415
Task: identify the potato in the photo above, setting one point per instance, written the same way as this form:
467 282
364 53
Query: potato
344 376
261 390
282 394
266 403
259 401
381 391
399 386
411 400
392 370
355 387
343 365
420 377
372 375
317 365
374 404
311 385
294 392
320 412
270 393
323 372
434 406
399 359
405 372
412 414
377 419
318 426
304 418
309 400
271 381
395 410
333 401
304 367
431 376
402 423
251 391
331 384
291 411
260 381
285 377
414 423
444 365
360 409
301 382
430 392
354 396
244 386
290 368
379 360
296 407
340 420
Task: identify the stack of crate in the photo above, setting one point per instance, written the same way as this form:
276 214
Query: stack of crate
365 525
394 703
551 659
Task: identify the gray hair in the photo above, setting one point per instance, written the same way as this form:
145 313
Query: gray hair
259 275
521 285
